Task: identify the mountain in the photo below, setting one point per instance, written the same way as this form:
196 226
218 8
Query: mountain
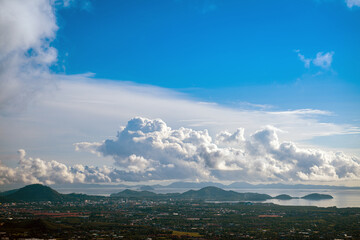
134 194
317 196
284 186
8 192
283 197
240 185
146 188
39 193
35 193
218 194
206 193
210 193
194 185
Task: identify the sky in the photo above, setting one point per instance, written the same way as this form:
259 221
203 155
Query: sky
179 90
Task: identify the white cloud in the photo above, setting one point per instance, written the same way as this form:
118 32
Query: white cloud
80 4
322 60
352 3
82 109
148 149
27 28
195 155
226 137
302 58
146 144
30 170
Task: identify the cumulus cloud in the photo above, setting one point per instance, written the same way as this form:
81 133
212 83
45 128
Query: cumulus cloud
27 29
352 3
322 59
226 137
159 152
35 170
147 149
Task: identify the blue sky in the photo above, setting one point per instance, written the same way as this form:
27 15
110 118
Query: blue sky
194 90
222 51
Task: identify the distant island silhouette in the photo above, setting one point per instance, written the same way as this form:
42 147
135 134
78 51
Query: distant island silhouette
38 193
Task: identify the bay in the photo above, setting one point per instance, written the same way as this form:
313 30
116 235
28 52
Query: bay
342 198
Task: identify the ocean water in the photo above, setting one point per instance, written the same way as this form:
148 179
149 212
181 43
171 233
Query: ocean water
342 197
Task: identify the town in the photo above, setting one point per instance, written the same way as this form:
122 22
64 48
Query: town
122 218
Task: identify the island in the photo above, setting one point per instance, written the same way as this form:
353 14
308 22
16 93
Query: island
317 196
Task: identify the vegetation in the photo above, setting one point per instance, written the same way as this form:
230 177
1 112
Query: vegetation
39 193
35 193
283 197
116 218
317 196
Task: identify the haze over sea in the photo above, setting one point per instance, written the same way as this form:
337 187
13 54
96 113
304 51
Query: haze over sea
342 198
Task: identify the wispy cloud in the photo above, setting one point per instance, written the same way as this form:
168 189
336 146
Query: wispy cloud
80 4
302 58
352 3
322 59
27 29
84 109
255 106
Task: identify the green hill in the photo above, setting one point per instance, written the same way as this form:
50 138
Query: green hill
283 197
317 196
210 193
218 194
35 193
206 193
6 193
39 193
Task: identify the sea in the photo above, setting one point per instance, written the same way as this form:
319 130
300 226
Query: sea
342 198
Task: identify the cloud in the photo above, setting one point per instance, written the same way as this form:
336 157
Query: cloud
302 58
322 60
30 170
149 144
227 138
184 153
80 4
148 149
73 113
352 3
27 29
84 109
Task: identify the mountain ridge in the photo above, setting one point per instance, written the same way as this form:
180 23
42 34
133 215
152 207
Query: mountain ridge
38 193
198 185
